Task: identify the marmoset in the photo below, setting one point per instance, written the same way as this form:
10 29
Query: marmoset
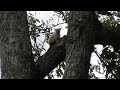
53 39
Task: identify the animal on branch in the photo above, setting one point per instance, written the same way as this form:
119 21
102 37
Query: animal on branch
54 38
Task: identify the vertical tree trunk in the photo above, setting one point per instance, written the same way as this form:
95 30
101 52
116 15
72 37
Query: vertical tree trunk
81 35
15 46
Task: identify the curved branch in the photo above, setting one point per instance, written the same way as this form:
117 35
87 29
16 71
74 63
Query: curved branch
54 56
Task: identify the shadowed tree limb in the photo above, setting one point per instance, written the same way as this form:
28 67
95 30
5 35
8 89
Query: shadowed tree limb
46 63
108 36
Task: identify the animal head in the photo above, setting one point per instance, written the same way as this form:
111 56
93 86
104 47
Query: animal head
57 30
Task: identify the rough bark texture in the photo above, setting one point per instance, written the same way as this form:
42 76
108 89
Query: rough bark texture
15 46
54 56
84 31
81 32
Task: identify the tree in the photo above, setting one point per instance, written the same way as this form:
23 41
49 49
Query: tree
15 46
80 44
84 31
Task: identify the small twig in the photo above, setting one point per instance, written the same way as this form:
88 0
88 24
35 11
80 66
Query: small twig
101 59
43 43
58 19
35 13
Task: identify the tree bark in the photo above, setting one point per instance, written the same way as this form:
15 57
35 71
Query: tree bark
15 45
81 32
46 63
84 31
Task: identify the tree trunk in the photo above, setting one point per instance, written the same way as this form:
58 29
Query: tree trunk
76 48
15 46
80 44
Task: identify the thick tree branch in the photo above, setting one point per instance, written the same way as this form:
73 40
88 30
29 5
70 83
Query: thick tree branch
54 56
109 36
